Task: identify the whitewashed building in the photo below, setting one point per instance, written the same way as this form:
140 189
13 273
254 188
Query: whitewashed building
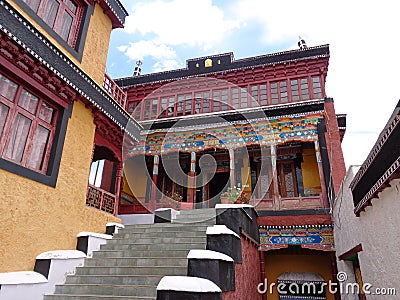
366 220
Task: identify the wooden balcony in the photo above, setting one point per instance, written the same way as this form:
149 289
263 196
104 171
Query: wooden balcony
100 199
114 91
137 208
295 203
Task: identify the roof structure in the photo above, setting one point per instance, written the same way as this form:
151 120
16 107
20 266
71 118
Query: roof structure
115 10
381 166
223 63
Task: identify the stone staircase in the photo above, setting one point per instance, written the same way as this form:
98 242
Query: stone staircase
131 264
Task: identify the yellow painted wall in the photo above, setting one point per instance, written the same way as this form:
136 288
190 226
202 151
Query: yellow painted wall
125 188
309 169
246 175
136 176
276 264
36 218
96 44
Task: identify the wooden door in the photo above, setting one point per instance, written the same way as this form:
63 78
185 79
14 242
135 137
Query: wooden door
287 179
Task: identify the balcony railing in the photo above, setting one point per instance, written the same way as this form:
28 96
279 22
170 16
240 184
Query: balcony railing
114 91
308 202
295 203
101 199
144 208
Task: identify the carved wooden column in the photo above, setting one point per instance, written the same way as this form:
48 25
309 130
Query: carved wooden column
324 195
275 177
153 203
232 167
192 177
118 187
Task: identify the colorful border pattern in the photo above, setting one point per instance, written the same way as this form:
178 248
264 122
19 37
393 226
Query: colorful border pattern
317 237
230 136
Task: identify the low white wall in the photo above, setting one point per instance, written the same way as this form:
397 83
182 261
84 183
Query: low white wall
133 219
32 285
95 240
116 226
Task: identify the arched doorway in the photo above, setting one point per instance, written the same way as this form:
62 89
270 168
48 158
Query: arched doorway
104 180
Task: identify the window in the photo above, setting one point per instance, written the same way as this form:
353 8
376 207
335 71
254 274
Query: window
243 98
202 102
96 173
279 92
188 105
198 103
27 126
184 105
206 102
317 87
263 95
258 94
254 94
300 89
305 94
154 107
220 100
295 90
167 107
235 97
216 101
224 100
283 91
146 109
274 93
132 106
164 108
63 16
136 110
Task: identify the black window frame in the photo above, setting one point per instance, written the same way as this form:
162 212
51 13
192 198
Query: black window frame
77 50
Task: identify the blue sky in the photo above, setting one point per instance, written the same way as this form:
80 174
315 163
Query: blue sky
363 75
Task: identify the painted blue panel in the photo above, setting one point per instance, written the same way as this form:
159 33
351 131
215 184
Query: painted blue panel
295 240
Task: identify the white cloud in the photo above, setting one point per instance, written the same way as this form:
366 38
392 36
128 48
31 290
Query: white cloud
144 48
180 22
168 64
165 55
363 68
165 24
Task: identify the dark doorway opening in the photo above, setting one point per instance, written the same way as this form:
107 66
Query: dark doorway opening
218 184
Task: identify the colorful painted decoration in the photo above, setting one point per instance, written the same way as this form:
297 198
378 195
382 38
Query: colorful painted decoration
317 237
230 135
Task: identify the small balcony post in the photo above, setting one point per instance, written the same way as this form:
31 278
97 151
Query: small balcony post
118 187
191 177
153 195
324 195
275 177
232 167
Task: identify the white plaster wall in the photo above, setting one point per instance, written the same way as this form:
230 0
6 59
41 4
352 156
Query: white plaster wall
380 258
346 230
59 269
34 291
377 229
